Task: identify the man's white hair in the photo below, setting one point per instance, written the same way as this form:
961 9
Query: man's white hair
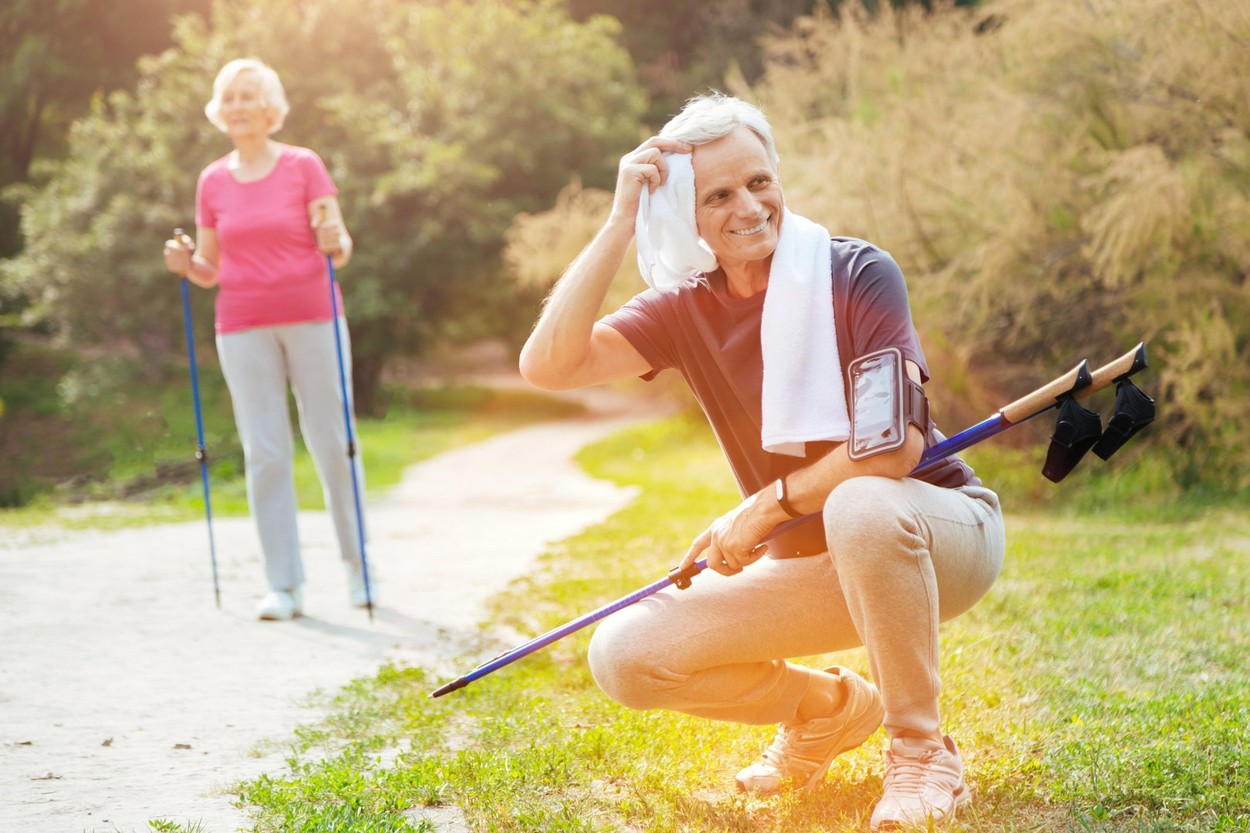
706 118
272 96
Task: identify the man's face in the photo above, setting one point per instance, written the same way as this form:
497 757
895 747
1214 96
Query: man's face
738 200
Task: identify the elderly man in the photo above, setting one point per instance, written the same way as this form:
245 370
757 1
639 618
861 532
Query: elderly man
765 315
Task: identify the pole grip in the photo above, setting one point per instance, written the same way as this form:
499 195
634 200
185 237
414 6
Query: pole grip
1118 370
1079 382
1047 395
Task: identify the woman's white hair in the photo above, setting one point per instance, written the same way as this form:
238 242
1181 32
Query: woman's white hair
706 118
272 96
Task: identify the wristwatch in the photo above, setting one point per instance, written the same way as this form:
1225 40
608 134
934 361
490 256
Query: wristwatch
783 500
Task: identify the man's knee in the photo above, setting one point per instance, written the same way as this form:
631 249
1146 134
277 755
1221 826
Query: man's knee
867 516
624 660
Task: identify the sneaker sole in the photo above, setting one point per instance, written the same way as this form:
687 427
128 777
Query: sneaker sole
269 617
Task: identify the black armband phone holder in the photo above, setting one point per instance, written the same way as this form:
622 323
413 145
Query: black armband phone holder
883 400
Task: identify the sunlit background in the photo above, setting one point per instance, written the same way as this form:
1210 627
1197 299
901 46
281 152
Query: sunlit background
1058 179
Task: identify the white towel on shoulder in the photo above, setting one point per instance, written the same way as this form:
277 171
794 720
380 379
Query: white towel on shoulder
669 249
803 399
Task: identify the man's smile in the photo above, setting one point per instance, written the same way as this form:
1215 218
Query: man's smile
753 229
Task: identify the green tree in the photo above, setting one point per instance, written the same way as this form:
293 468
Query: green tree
439 122
56 55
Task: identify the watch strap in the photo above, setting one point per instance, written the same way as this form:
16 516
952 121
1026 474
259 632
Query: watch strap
783 498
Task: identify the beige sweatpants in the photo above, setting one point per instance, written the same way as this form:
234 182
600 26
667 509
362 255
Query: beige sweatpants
903 556
258 365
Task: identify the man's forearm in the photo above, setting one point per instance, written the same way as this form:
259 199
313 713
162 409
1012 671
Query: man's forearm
809 486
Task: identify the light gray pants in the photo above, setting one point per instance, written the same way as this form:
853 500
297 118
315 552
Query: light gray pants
903 556
258 363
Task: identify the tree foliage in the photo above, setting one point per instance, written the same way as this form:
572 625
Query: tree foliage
57 54
439 122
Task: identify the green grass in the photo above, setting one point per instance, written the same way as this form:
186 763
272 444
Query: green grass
1101 686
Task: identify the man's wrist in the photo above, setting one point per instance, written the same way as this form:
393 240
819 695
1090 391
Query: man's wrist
782 495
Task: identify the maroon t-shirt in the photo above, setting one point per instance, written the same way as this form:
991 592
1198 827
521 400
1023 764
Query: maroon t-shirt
713 340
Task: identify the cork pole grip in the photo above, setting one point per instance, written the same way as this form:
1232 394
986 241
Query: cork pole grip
1079 382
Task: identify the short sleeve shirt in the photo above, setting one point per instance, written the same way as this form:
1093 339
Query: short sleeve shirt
713 340
270 271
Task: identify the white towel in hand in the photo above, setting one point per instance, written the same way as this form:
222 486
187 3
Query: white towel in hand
803 399
669 249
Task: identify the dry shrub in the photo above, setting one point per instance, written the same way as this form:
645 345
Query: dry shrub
1058 180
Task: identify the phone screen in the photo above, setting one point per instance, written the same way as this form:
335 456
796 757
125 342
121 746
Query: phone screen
876 395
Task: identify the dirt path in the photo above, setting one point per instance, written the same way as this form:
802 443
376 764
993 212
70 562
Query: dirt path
126 695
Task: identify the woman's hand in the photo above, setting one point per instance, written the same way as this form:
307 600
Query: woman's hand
643 167
326 219
329 233
178 250
734 540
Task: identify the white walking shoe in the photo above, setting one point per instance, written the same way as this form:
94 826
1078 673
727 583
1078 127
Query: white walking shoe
800 754
356 586
281 605
924 784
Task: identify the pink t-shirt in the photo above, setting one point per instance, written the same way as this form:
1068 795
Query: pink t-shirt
270 271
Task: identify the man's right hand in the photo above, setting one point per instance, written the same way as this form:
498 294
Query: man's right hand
643 166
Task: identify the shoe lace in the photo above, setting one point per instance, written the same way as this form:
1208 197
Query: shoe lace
909 775
780 752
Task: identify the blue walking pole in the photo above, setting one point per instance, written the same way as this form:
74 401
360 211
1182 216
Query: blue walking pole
351 439
201 453
1078 383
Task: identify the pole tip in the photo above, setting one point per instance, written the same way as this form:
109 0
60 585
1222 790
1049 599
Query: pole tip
459 682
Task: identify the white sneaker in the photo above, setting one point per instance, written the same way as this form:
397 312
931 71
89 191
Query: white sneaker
801 752
356 586
924 784
281 605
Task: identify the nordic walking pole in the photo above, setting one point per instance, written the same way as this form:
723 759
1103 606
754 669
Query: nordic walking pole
347 420
200 453
1078 382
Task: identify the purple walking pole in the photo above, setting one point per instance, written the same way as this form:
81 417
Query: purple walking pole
1078 382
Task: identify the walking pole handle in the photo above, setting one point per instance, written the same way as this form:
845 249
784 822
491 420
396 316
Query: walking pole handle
182 237
322 215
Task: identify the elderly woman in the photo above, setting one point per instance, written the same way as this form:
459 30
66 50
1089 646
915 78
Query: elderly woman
764 314
267 215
